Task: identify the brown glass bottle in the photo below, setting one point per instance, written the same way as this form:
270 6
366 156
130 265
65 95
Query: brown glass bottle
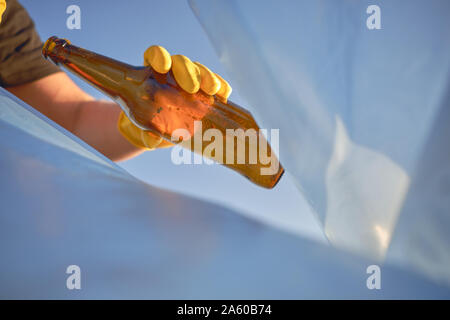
155 102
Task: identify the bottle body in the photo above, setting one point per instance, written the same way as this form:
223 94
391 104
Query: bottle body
208 125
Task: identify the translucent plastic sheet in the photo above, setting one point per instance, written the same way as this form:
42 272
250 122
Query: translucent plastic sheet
62 203
356 109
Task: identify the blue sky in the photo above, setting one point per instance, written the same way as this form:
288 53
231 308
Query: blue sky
123 31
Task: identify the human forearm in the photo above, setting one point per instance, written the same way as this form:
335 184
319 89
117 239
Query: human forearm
94 121
97 125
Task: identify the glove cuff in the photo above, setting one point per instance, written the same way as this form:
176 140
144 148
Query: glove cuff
137 137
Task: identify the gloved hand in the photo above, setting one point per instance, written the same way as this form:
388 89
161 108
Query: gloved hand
190 76
2 8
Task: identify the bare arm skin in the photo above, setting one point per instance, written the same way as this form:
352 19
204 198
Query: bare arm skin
94 121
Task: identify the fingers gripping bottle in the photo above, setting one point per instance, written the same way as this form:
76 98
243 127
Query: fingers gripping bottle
214 128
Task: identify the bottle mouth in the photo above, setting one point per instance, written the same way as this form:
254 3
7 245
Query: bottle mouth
51 44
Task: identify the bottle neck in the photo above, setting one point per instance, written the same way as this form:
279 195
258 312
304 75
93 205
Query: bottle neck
108 75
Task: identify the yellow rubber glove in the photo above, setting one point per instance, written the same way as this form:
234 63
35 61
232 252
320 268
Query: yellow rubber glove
190 76
2 8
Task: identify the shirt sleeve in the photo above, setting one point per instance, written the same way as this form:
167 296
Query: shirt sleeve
21 60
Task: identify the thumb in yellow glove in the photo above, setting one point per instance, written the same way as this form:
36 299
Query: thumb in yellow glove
2 8
190 76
